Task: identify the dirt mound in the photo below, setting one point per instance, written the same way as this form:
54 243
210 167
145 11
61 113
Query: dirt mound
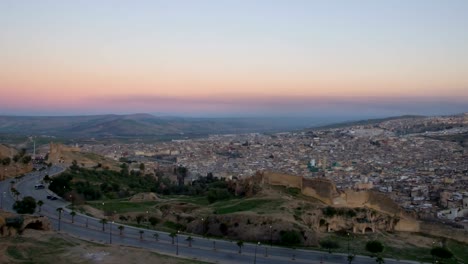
60 153
6 151
144 197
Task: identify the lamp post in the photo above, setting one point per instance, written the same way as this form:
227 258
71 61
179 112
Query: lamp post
271 236
110 232
255 255
147 220
103 212
203 226
1 200
59 210
71 199
177 242
348 243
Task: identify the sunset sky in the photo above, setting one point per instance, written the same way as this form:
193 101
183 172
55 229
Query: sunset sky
234 58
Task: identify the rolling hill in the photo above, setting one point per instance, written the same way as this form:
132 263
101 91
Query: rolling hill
142 125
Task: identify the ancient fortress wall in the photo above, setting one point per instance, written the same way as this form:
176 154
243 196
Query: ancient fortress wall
290 181
321 189
57 152
408 225
383 203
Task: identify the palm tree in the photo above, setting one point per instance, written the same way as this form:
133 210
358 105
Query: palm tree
173 235
189 239
141 234
73 213
240 244
379 260
59 210
40 203
121 228
156 236
103 222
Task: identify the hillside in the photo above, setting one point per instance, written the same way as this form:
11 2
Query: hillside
142 125
13 162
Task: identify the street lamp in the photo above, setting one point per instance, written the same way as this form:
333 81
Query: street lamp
147 220
348 243
59 210
271 236
71 199
110 232
203 226
177 242
1 200
255 255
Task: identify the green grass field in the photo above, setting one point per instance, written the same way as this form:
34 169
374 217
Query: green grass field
254 205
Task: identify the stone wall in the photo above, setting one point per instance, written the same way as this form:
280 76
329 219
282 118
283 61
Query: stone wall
289 181
322 189
408 225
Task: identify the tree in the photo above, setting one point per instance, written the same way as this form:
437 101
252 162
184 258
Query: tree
103 222
153 221
374 247
189 239
6 161
73 213
240 244
350 259
329 245
121 228
139 218
156 236
25 206
290 237
173 235
379 260
40 203
141 234
15 192
142 167
441 253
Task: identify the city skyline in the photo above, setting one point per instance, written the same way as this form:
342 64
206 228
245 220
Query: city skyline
231 58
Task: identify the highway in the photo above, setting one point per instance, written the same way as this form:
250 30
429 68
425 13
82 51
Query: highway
206 249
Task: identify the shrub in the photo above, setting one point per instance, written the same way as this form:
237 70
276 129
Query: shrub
290 237
25 206
374 246
328 244
329 211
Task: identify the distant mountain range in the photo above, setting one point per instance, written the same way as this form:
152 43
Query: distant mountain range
146 126
143 125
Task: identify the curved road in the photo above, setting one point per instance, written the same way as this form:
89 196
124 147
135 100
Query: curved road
212 250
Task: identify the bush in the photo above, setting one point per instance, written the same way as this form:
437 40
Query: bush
290 237
214 195
25 206
329 211
441 252
374 246
328 244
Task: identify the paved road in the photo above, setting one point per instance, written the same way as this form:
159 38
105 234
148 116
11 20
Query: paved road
213 250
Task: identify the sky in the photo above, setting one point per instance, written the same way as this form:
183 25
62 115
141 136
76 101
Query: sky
234 58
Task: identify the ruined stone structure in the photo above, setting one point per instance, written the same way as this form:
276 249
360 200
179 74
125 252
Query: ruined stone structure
58 153
390 216
11 224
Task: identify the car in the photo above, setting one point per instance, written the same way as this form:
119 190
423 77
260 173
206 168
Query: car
39 186
49 197
54 198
